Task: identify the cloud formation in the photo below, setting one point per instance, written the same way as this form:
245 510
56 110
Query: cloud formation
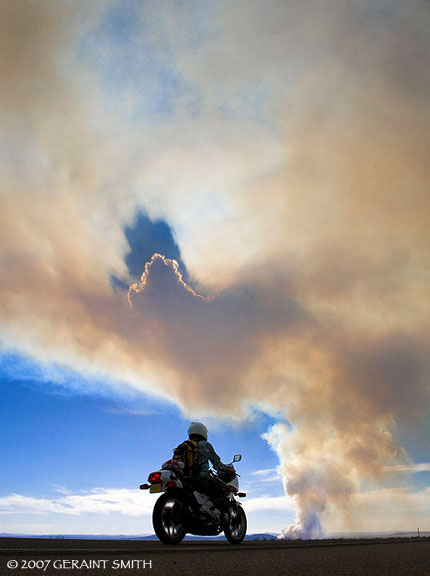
98 501
294 172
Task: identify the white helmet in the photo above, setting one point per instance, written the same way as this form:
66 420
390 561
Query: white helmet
198 428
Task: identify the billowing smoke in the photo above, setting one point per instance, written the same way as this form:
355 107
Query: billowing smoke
342 392
287 150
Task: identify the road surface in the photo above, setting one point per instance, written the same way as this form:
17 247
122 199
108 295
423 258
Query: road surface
61 557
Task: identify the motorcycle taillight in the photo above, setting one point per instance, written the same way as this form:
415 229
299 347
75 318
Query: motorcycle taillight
154 477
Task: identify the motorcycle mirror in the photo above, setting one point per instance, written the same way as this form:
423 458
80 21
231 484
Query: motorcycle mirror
237 457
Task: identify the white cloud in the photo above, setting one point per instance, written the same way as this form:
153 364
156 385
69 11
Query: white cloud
127 411
266 472
130 511
269 503
267 476
116 511
97 501
412 468
113 500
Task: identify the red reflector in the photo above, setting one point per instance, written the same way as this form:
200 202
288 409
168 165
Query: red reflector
154 477
171 483
144 486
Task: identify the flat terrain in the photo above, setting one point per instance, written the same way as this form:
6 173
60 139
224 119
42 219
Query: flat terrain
379 557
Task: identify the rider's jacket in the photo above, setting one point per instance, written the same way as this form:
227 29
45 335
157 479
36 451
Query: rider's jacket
206 452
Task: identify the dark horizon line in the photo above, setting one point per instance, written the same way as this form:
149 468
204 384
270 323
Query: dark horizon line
260 535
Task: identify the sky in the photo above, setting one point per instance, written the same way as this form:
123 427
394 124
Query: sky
215 211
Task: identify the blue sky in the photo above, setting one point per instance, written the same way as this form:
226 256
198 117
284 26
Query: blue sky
62 437
66 441
216 211
72 444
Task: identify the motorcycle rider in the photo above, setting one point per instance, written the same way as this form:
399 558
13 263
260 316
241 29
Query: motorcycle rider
204 481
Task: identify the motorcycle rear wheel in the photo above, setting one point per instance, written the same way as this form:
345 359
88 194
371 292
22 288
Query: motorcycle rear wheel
235 530
169 519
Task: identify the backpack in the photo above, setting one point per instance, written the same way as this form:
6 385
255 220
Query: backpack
188 454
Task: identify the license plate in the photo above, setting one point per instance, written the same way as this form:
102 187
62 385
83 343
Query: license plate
155 488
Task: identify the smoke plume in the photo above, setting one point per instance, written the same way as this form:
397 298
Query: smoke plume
287 149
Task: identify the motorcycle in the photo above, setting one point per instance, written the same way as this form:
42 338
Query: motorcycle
181 509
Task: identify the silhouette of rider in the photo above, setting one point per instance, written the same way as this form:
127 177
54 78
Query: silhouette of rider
204 481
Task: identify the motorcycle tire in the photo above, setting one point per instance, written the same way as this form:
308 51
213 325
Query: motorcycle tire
169 518
235 529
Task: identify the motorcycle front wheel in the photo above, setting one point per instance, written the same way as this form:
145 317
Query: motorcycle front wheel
169 519
236 527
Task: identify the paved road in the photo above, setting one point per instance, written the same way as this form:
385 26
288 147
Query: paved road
392 557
